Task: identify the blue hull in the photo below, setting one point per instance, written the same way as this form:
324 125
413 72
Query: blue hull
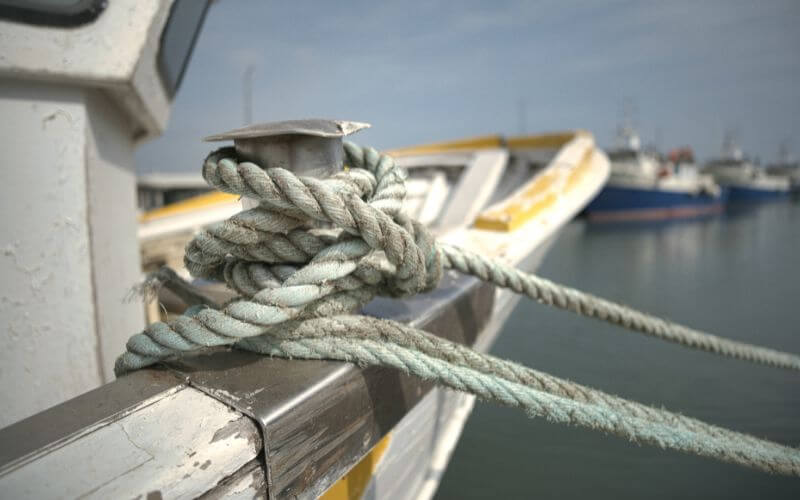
630 204
743 194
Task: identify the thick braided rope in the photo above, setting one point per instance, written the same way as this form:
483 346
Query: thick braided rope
294 275
585 304
284 266
353 341
379 330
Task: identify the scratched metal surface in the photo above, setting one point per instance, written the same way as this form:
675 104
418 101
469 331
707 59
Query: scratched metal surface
318 417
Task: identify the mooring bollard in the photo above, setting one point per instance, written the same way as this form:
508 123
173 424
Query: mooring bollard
306 147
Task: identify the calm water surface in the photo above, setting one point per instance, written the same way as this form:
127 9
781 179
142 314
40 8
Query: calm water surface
737 276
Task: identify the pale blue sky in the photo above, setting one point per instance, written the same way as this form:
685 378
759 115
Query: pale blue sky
435 70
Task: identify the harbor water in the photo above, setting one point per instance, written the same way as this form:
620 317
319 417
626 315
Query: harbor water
736 275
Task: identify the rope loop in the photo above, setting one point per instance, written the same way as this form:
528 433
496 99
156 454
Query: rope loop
311 246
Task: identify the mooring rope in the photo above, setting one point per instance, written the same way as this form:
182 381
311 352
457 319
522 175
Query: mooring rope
315 251
585 304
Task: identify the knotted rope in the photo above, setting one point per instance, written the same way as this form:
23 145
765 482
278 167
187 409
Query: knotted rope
314 251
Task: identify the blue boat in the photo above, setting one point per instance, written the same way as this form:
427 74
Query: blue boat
746 181
616 204
643 186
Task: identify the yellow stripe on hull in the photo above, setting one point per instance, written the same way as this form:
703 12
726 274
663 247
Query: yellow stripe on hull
554 140
189 205
354 483
476 143
531 201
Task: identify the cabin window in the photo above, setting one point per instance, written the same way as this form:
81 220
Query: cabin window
178 39
52 12
621 156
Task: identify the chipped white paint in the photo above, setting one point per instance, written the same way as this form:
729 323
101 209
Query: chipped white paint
132 457
249 483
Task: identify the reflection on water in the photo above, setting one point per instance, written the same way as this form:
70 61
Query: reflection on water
735 275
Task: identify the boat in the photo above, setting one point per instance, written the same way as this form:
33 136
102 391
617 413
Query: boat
157 189
506 197
503 197
509 200
226 422
643 186
786 166
746 181
83 85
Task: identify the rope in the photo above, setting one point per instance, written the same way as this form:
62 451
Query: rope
585 304
315 251
540 395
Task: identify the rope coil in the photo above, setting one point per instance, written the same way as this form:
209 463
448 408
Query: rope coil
315 251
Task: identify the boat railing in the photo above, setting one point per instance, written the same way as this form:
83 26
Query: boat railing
231 422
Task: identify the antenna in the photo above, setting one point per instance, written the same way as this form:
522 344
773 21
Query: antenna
630 113
730 148
784 156
659 132
247 94
626 132
522 120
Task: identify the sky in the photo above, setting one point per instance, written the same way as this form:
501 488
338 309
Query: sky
428 71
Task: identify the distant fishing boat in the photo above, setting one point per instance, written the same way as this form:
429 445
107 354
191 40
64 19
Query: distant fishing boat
643 186
745 180
786 166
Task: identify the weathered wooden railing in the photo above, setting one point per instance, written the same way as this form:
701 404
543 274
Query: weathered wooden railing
230 423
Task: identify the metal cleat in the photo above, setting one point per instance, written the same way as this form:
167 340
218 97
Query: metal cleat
306 147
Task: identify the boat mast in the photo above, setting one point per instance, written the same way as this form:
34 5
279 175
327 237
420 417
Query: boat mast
627 137
730 148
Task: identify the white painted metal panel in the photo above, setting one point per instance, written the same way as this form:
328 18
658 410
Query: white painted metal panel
116 52
50 352
435 198
116 268
70 252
